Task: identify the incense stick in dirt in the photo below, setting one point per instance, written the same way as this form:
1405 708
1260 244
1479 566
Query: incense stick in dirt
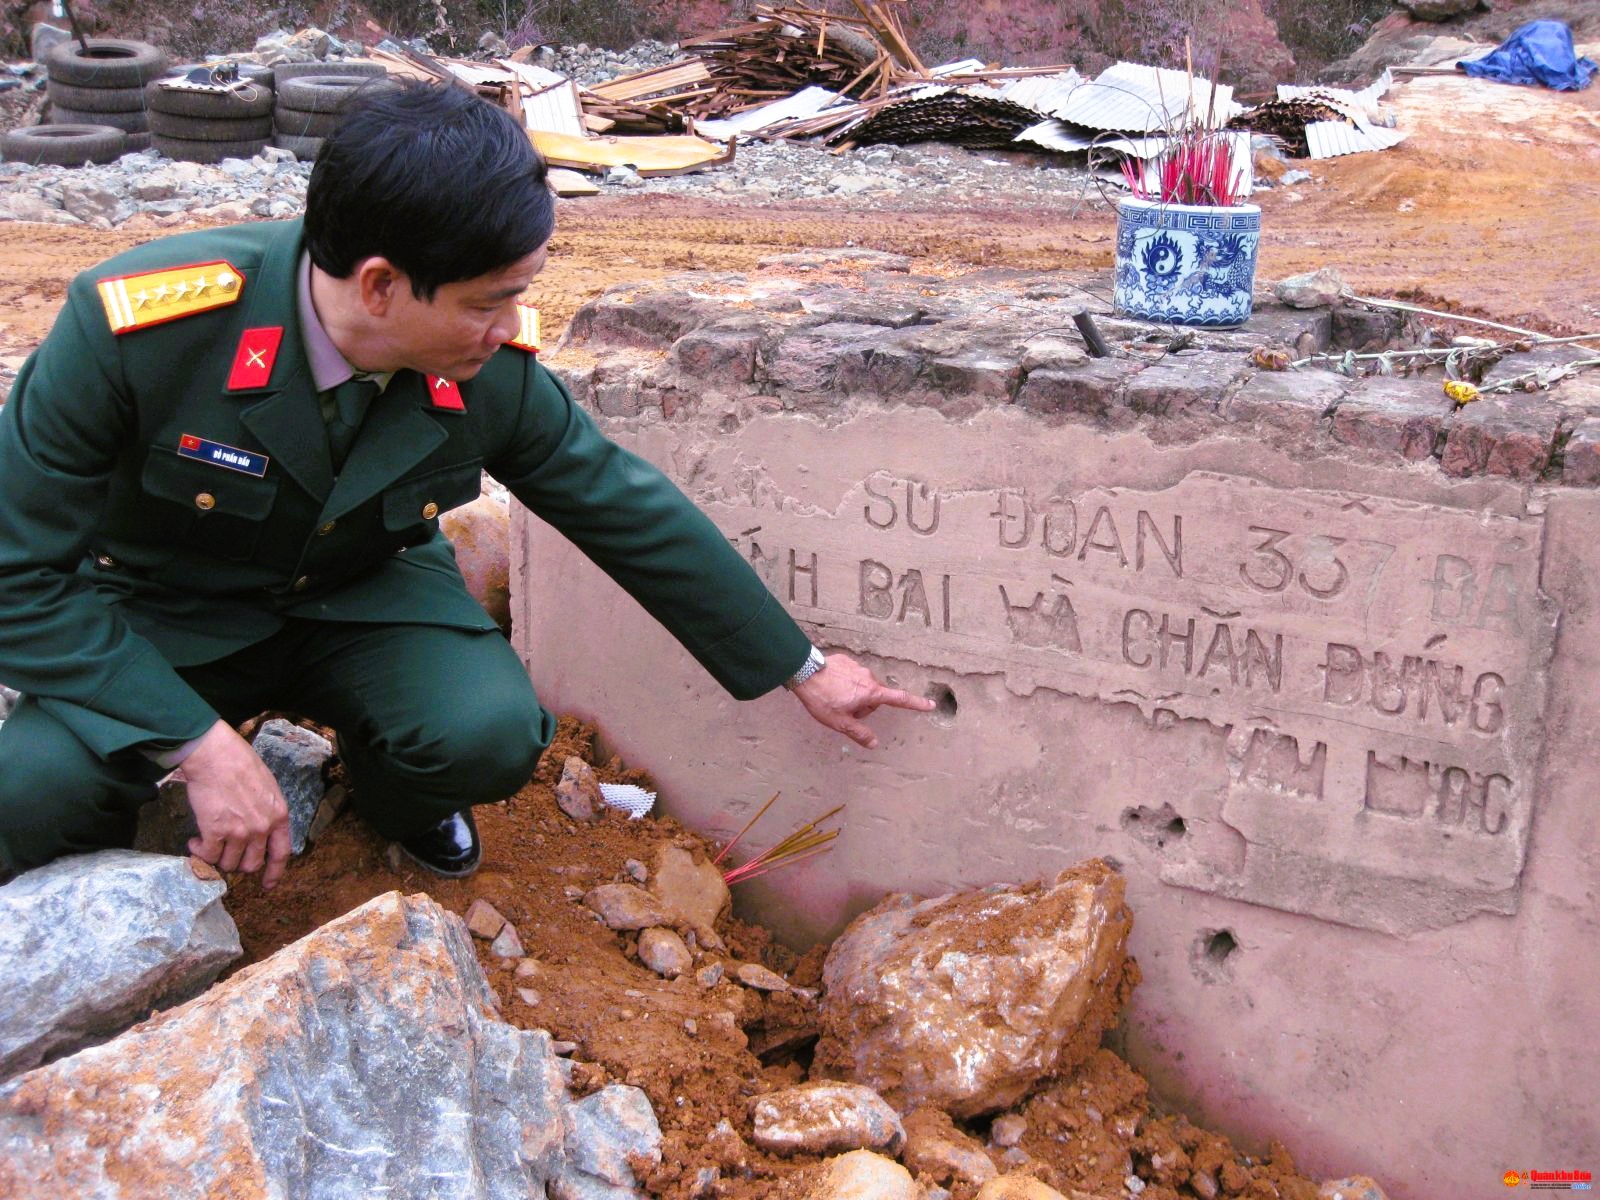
745 830
802 843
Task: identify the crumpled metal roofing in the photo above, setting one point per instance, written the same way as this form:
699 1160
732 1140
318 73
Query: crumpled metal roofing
1357 134
965 116
1134 98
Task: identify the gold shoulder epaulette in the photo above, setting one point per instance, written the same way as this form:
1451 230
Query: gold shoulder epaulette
154 297
528 332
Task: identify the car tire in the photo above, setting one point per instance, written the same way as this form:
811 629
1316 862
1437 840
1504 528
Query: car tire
203 129
252 100
128 122
305 149
305 124
319 93
109 63
94 99
137 142
198 151
346 68
63 145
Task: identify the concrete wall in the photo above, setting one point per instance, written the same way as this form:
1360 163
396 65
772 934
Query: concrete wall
1312 660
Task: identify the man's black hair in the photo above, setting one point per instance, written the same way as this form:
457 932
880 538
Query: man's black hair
444 185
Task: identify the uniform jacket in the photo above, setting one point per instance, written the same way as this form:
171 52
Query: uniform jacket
121 557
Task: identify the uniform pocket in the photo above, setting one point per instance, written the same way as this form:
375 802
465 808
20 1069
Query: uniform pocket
414 505
203 507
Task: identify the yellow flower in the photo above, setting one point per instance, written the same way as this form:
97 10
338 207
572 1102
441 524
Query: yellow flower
1460 391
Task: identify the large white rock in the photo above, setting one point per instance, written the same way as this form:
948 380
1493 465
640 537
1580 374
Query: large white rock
89 944
364 1060
826 1118
965 1002
863 1175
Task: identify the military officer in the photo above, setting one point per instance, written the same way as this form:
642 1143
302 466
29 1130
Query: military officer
220 482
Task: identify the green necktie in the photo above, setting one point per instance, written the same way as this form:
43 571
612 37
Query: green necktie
350 401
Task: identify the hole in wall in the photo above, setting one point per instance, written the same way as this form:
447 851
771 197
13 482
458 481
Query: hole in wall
1212 954
944 700
1158 827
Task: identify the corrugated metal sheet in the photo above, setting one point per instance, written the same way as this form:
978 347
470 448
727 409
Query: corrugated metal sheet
967 66
807 102
1046 94
1058 135
1133 98
1330 139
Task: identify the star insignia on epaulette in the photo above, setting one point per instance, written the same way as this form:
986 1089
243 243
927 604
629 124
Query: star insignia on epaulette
155 297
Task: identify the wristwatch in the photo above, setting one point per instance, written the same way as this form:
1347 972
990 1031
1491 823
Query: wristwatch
814 663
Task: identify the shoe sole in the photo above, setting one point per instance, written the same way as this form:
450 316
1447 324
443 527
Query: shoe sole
433 870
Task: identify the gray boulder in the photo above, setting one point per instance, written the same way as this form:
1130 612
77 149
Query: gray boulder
365 1059
604 1131
91 943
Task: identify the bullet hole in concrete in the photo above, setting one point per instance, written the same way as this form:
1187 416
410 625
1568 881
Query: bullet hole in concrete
1212 953
1156 827
944 700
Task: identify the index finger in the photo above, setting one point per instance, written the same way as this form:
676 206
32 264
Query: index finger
899 699
278 845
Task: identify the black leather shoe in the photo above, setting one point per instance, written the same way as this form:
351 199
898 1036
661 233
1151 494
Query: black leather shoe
450 848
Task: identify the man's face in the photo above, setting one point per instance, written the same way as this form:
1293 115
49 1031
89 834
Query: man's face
459 330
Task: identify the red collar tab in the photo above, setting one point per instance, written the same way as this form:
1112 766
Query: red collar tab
445 395
252 361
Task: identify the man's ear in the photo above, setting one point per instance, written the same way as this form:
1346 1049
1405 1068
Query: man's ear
378 282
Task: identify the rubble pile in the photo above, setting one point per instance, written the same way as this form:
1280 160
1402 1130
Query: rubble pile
618 1036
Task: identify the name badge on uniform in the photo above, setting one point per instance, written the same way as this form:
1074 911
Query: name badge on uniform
219 455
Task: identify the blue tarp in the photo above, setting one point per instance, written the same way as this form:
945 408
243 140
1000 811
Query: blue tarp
1540 52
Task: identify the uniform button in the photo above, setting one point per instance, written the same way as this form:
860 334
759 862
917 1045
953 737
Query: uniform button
302 583
430 510
325 530
205 501
105 560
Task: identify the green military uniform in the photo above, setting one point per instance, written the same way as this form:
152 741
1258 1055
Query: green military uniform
175 545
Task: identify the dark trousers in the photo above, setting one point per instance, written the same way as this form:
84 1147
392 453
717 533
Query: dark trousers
430 720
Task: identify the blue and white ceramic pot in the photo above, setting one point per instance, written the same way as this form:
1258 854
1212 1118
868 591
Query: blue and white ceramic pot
1186 264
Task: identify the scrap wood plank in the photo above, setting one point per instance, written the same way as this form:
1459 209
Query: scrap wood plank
646 155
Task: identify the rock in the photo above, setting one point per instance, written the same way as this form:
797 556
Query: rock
815 260
484 920
507 944
966 1001
327 1069
1356 1187
578 792
91 943
709 976
1020 1187
937 1150
1008 1129
1440 10
863 1175
613 1132
637 871
664 952
1289 178
492 44
1315 289
295 756
826 1118
754 975
623 176
481 535
690 888
852 185
624 906
26 206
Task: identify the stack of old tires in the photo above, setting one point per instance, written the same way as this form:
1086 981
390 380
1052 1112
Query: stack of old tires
211 124
310 97
97 103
